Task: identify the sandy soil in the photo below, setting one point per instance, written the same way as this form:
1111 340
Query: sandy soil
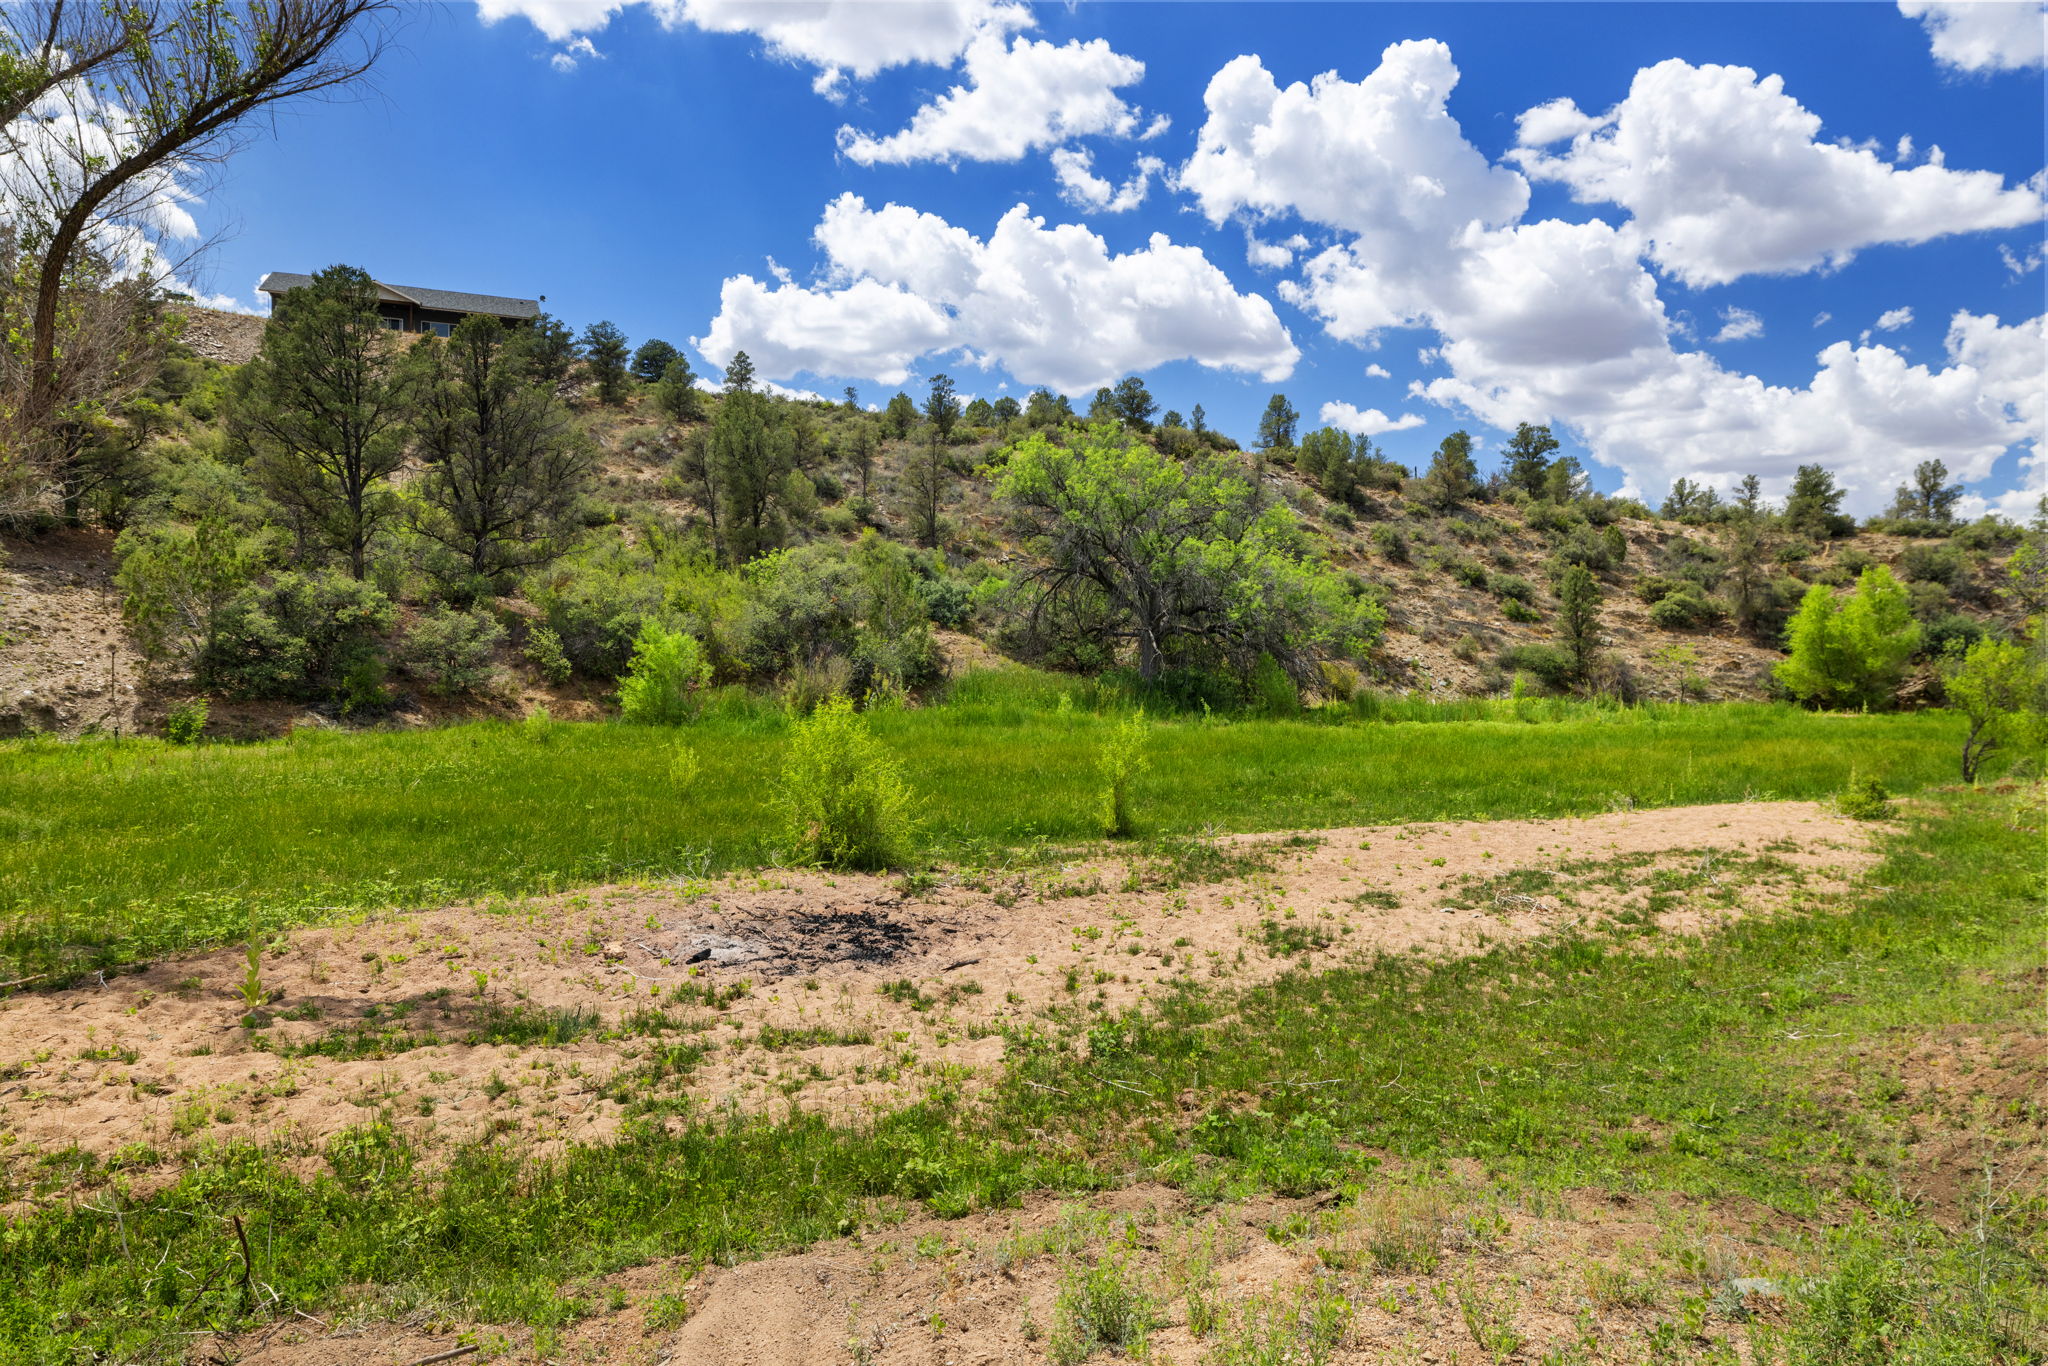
1560 1273
833 994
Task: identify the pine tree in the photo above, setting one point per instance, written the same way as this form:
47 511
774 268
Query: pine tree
1198 421
1814 507
1578 617
1276 424
604 355
1525 459
676 393
739 373
1133 403
323 411
942 407
651 361
899 416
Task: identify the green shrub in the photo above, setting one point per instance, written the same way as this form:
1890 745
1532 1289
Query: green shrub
1850 651
1099 1308
1121 761
1584 546
303 637
1942 564
1684 610
1865 799
1389 541
665 678
1272 692
2001 689
544 652
1553 667
186 722
452 650
1471 573
1514 609
1513 588
1949 634
844 801
945 601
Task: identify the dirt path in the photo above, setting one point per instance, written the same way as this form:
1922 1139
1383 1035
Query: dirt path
546 1020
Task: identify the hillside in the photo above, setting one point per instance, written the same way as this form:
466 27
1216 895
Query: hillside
1466 589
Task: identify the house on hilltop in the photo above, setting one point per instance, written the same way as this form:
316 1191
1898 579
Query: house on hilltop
408 308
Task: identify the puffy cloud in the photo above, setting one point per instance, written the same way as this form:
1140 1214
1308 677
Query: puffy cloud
840 38
1554 121
1983 35
1739 324
1371 422
1892 319
1377 371
1725 177
1048 304
1272 255
1081 187
1019 97
1381 157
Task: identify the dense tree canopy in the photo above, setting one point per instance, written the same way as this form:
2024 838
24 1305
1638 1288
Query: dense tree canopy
1178 559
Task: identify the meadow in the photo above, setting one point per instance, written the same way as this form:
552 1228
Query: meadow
1759 1078
117 852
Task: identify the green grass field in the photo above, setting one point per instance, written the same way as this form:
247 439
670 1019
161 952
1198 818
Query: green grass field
119 852
1753 1069
116 852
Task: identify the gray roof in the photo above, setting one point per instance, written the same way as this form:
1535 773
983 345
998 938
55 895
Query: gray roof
445 300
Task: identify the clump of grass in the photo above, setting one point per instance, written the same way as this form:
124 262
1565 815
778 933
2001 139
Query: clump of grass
1395 1229
1120 762
845 804
1282 1329
1102 1307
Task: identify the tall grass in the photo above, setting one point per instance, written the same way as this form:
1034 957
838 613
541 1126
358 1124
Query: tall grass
112 852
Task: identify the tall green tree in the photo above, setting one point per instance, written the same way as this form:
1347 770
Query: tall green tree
1044 408
1453 475
750 462
739 372
1176 558
676 392
604 355
504 467
1578 617
899 416
1333 458
1525 459
554 354
1930 497
979 413
322 411
1198 421
652 360
1276 424
1749 553
1814 507
942 407
2001 689
1851 651
925 485
1102 408
1133 403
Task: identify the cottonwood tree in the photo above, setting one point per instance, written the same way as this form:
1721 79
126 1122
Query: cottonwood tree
116 144
2001 689
604 355
1850 651
322 412
1176 558
504 466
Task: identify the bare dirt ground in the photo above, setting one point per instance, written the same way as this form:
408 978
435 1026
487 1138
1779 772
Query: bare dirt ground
540 1021
66 663
1434 1268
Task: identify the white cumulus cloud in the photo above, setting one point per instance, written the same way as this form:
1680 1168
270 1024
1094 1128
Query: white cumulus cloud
1019 96
1983 35
1892 319
1371 422
1739 324
1049 304
1378 371
839 38
1725 176
1081 187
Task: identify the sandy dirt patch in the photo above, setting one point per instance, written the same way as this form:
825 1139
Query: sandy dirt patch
545 1021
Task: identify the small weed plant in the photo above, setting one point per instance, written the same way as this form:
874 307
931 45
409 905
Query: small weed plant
1865 799
1122 759
845 804
1103 1307
664 684
186 722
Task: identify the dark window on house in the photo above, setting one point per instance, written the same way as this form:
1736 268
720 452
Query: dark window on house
438 329
393 324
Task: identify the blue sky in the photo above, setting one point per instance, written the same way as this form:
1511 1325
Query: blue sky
1719 258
